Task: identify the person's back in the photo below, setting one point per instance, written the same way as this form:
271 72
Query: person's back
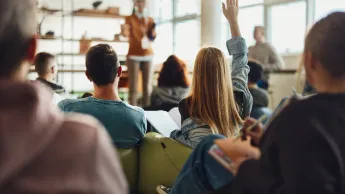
126 124
260 96
41 150
219 98
173 85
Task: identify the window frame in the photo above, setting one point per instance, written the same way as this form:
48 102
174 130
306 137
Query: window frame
267 4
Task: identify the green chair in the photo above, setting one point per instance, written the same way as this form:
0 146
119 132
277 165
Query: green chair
161 160
130 164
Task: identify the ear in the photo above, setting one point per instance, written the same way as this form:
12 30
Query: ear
119 71
88 76
31 52
310 66
309 62
53 70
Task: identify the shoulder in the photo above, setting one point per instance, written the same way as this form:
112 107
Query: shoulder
129 19
134 109
87 139
270 47
307 110
184 102
69 102
259 90
151 20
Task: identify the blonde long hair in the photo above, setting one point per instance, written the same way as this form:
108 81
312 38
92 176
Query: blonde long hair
212 99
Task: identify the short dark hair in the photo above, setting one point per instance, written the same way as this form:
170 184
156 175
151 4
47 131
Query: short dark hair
173 73
41 63
255 73
102 64
87 94
326 42
16 33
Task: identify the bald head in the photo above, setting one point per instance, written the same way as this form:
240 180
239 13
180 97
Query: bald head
18 23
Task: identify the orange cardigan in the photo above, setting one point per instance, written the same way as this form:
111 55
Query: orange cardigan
136 35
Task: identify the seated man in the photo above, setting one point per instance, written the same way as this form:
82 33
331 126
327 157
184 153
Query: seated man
260 96
45 66
126 124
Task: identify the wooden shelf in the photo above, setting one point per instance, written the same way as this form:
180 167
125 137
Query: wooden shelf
96 15
48 37
49 11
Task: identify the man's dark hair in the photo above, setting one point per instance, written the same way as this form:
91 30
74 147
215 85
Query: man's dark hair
255 73
102 64
326 43
18 24
42 63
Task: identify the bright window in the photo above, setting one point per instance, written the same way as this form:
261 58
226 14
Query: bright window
187 41
163 46
324 7
249 2
166 9
224 34
187 7
248 19
288 26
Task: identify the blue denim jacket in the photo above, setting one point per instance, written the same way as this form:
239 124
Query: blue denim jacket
192 131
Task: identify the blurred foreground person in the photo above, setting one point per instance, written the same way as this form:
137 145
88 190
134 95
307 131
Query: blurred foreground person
41 151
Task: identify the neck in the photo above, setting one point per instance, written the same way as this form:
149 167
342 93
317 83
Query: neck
261 41
49 78
107 92
21 73
252 85
330 85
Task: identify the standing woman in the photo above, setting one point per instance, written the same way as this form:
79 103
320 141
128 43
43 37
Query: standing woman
141 32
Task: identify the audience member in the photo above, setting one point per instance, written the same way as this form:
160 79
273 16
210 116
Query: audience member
46 68
303 148
219 98
173 85
41 151
260 96
126 124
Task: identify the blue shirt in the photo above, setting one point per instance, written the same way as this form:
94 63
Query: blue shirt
126 124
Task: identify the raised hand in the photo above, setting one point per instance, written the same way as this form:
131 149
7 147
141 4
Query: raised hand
230 10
